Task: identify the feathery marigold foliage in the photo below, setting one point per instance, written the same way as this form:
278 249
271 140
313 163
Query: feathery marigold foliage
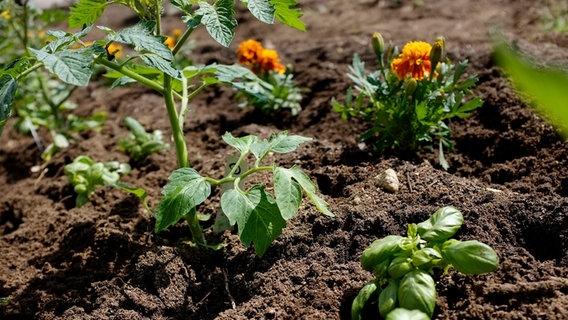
410 99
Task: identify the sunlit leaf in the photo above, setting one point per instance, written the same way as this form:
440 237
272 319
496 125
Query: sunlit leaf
219 20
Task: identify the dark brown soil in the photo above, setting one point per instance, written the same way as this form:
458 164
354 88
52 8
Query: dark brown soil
509 176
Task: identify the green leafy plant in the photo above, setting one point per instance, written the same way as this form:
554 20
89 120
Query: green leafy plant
140 144
41 101
403 266
258 215
410 98
274 87
84 175
545 87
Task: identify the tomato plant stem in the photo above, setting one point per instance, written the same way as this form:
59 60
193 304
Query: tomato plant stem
175 123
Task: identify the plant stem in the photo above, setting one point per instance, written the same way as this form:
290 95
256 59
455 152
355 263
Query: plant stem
195 228
129 73
177 128
182 40
29 70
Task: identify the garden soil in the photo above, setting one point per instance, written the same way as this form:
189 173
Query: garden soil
508 175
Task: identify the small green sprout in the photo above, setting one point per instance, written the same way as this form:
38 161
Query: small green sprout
403 266
84 175
140 144
410 98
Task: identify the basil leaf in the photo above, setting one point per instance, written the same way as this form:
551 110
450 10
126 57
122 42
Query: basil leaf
470 257
379 251
417 290
441 225
388 298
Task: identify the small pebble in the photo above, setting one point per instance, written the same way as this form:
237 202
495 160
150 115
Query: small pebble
387 180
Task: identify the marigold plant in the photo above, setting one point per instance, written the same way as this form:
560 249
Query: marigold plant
276 88
409 100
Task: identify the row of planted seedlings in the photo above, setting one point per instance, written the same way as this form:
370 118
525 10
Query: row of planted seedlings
407 102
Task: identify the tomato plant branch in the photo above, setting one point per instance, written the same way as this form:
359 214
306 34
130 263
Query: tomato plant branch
177 129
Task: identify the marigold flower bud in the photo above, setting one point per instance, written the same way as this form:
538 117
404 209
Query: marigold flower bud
436 54
410 85
378 44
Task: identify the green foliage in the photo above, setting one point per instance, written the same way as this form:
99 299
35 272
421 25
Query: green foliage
259 215
86 12
84 175
407 114
141 144
219 20
403 266
271 92
287 14
546 87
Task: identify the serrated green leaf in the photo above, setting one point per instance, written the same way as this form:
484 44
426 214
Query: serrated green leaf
310 189
417 290
279 143
71 66
85 12
287 14
242 144
183 5
256 215
186 190
219 20
140 36
263 10
288 193
8 87
161 64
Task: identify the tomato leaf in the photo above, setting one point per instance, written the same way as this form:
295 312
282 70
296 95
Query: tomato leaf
287 14
186 190
256 214
85 12
263 10
140 36
288 192
219 20
71 66
8 87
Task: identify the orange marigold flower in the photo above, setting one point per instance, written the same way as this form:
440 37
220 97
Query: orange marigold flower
269 61
414 60
249 52
115 50
170 42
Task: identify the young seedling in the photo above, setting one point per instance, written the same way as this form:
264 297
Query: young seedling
410 98
403 266
259 215
274 87
141 144
84 175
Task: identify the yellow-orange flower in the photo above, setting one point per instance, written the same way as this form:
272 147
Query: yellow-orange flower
170 42
248 52
115 49
413 61
251 53
269 61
